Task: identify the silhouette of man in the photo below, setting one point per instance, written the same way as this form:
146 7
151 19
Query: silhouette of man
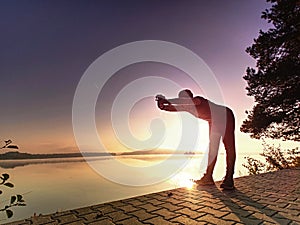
221 124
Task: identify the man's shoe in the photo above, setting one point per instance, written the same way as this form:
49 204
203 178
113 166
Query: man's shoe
205 180
227 183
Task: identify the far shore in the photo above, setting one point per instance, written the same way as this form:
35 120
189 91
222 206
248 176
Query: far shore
15 155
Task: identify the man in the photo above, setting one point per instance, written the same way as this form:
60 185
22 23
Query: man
221 124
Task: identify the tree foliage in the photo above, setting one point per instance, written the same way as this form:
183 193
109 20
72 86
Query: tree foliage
275 83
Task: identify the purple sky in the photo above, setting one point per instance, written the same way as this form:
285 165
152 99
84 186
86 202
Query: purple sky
47 45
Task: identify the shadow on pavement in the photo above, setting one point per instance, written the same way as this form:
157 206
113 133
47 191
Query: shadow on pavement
244 207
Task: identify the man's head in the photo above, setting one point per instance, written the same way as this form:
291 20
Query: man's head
186 93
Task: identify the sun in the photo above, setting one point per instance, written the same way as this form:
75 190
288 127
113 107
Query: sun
183 180
187 183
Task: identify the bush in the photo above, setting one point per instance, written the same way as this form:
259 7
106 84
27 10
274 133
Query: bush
275 159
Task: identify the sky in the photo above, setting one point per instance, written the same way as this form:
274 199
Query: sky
46 47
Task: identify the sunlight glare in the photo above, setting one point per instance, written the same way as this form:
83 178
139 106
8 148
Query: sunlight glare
183 180
187 183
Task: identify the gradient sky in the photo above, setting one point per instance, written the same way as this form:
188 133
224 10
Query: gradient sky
46 46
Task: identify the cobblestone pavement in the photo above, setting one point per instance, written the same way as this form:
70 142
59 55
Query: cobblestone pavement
271 198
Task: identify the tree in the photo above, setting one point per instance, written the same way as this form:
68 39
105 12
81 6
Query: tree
275 84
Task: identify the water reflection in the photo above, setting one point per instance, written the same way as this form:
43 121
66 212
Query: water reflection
10 164
55 184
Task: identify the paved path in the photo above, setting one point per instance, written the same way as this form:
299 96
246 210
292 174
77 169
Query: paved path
271 198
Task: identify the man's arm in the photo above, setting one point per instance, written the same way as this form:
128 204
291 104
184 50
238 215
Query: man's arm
164 104
181 104
177 104
181 101
174 108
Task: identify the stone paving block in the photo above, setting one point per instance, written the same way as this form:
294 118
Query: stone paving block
52 223
190 206
116 204
216 200
72 223
294 206
144 198
214 220
216 213
286 210
225 209
166 214
181 191
56 214
294 223
267 223
156 202
159 221
252 221
187 220
250 209
193 201
254 204
282 221
82 211
67 218
102 222
192 194
173 201
263 217
42 219
177 196
282 215
268 212
142 214
134 202
273 203
131 221
160 195
128 208
105 209
213 205
290 198
190 213
92 216
171 207
117 216
149 207
22 222
232 217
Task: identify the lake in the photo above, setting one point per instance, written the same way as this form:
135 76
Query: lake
55 185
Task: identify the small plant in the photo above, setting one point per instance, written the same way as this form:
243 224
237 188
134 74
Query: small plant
15 200
276 159
9 145
254 166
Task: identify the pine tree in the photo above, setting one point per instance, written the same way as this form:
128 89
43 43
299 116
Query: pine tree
275 83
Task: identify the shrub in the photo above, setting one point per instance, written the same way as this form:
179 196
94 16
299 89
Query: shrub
275 159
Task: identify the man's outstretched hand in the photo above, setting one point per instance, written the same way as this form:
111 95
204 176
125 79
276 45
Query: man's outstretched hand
161 100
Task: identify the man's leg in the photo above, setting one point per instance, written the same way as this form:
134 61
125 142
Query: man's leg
214 143
229 143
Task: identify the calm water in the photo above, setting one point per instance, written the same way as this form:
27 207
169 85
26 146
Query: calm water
54 185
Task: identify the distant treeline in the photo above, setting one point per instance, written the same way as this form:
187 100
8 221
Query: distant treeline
20 155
